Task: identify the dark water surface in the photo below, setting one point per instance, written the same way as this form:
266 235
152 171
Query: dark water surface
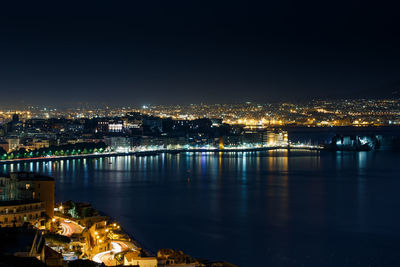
275 208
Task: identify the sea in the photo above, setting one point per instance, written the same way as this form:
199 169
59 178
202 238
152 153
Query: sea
266 208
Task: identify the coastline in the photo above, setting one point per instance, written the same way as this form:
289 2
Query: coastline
157 152
86 224
105 229
133 240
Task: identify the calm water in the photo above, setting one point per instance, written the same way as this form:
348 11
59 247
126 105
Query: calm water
253 209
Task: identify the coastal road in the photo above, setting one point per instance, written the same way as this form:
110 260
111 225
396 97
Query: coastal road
107 257
121 245
68 228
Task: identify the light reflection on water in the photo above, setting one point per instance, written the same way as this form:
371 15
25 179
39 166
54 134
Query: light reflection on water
283 208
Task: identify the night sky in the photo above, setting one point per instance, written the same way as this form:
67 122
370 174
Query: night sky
180 52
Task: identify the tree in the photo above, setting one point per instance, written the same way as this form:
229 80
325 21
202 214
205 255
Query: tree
73 211
21 152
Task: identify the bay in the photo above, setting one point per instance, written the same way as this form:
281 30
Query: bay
273 208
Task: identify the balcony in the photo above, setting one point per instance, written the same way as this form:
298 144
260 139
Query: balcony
21 211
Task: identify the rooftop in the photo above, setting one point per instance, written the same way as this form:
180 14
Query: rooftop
136 255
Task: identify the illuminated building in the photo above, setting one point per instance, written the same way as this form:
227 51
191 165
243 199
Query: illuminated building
119 143
115 127
134 258
18 212
13 143
97 238
40 143
28 186
276 138
102 126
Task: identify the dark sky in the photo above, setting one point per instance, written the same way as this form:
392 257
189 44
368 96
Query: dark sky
163 52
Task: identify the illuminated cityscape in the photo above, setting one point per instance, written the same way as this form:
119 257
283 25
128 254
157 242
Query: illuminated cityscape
318 113
36 132
199 133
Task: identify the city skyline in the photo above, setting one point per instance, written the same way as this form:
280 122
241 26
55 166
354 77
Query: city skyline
321 113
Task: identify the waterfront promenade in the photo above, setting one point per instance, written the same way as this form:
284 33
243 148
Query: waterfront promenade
155 152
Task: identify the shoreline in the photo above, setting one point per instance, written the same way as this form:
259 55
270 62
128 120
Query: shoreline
157 152
126 238
133 239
